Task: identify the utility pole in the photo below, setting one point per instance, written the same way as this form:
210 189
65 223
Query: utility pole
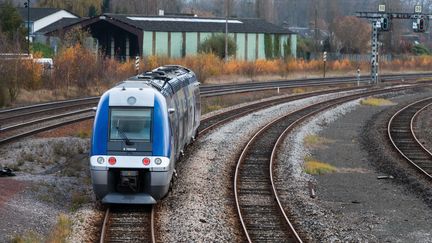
325 62
226 30
374 53
27 5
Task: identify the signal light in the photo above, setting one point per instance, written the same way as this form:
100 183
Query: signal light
385 24
421 24
146 161
112 160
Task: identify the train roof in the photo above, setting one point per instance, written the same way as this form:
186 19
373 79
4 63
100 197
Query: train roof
166 79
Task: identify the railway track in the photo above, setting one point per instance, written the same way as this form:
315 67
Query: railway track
25 121
261 213
401 132
212 122
12 132
128 224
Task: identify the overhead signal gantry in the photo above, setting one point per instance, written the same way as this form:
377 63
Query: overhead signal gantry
381 21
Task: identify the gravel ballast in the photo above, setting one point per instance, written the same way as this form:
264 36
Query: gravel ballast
201 207
52 179
352 204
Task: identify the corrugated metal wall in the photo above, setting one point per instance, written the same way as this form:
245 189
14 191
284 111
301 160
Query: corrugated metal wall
250 46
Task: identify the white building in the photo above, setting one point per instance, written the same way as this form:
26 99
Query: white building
43 17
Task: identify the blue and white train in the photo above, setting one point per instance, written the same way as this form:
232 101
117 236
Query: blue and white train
140 129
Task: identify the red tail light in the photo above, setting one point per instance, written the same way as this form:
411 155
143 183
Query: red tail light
112 160
146 161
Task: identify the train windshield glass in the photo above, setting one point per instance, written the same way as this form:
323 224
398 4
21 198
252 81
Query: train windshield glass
130 124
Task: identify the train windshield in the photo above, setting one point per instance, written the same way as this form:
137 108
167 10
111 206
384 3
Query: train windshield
130 124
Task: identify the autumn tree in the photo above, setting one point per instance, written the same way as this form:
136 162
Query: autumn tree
11 23
351 34
79 7
265 9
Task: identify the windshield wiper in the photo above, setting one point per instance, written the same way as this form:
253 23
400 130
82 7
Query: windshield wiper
123 134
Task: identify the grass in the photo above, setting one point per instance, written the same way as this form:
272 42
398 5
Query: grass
299 91
83 134
78 199
59 234
314 167
315 141
210 108
376 102
28 237
61 230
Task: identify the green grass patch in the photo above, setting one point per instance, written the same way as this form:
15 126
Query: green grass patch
61 230
211 108
299 91
83 134
78 199
28 237
314 167
315 141
376 102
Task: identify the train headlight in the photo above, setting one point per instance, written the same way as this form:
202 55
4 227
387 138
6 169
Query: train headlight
112 160
146 161
100 160
158 161
131 100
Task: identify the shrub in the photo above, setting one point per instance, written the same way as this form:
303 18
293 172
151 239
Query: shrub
44 50
420 50
216 45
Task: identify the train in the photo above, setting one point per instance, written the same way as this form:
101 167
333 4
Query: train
141 128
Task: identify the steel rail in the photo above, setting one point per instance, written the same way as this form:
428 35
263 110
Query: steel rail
104 226
241 111
279 122
32 122
392 132
43 128
3 141
217 89
53 103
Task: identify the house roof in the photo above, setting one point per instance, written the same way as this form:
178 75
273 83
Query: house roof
197 24
187 24
59 24
38 13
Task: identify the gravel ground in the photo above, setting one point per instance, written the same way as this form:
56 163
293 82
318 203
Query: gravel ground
352 205
52 179
201 207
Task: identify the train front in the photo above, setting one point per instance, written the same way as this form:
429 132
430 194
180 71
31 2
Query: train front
131 147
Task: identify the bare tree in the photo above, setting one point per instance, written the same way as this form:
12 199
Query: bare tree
265 9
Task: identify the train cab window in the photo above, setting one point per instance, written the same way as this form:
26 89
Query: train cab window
130 124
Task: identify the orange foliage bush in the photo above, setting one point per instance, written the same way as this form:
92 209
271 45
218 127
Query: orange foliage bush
79 68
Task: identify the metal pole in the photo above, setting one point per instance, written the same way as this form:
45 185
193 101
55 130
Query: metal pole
375 52
226 30
358 76
28 27
325 68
